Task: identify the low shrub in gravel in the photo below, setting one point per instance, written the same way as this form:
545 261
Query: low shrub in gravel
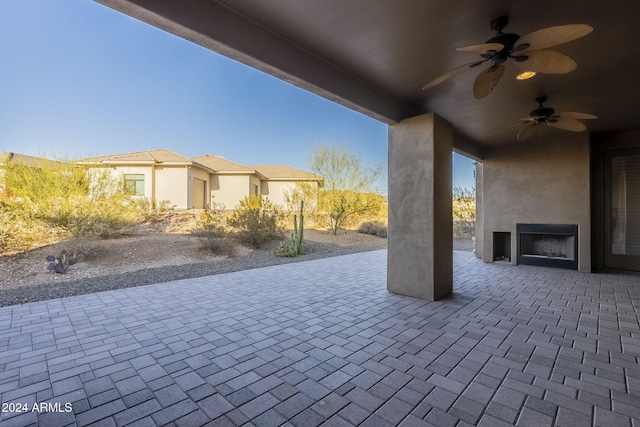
217 245
374 228
256 221
210 228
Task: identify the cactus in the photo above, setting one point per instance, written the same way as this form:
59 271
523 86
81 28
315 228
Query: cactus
60 263
296 246
298 232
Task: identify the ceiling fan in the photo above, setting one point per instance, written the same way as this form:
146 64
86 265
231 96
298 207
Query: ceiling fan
529 52
542 115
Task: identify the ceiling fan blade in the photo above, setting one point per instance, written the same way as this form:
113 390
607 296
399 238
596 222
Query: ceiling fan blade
504 129
487 81
552 36
546 61
572 125
482 49
451 74
527 131
578 116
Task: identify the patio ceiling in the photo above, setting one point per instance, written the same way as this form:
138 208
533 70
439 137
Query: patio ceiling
375 56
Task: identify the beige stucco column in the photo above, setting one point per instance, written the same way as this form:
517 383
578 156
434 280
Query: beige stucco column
479 230
420 257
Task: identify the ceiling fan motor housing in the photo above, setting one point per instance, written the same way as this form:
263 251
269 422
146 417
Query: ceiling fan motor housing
542 112
499 23
508 40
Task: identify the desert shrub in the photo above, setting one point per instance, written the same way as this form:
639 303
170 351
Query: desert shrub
83 248
19 229
84 217
211 242
70 198
464 212
212 231
10 228
256 221
176 222
151 209
374 228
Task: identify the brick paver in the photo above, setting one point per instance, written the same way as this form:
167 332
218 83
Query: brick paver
323 343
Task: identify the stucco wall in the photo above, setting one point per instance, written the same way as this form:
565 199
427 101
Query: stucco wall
171 185
420 256
275 190
198 182
538 182
119 172
230 189
254 186
479 227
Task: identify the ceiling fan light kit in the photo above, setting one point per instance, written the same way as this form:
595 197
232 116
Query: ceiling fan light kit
526 75
529 52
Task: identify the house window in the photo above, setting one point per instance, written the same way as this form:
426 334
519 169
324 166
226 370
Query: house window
134 184
255 190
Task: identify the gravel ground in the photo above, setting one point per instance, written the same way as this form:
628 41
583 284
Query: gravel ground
50 286
59 286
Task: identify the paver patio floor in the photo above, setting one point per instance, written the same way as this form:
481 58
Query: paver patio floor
323 343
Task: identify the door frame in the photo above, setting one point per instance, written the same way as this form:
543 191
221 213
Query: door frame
603 144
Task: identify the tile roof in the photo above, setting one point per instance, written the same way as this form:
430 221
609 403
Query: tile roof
5 156
220 164
160 155
209 161
286 172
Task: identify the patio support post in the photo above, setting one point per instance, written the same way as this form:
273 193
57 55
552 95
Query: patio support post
420 256
479 227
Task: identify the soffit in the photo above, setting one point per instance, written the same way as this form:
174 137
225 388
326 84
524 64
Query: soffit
375 56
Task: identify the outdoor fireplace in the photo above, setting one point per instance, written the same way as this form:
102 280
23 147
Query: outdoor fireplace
548 245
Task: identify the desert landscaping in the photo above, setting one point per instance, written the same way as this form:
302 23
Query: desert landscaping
153 255
150 255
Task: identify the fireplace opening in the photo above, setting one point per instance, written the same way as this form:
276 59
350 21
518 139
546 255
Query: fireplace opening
548 245
501 246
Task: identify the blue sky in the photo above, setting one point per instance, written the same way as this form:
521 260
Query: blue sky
79 79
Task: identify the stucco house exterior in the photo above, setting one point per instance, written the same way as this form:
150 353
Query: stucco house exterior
158 175
196 183
281 179
231 181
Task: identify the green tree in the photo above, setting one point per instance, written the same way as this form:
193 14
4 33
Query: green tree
349 184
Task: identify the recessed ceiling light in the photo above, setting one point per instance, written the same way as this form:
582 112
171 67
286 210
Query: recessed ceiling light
525 75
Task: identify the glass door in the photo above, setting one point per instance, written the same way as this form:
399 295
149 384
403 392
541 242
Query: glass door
622 209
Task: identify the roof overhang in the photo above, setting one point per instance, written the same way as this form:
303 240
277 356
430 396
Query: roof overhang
375 57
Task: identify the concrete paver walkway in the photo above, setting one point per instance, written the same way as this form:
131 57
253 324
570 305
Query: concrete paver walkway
324 343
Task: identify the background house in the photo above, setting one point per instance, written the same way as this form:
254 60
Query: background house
196 183
280 180
159 175
231 181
